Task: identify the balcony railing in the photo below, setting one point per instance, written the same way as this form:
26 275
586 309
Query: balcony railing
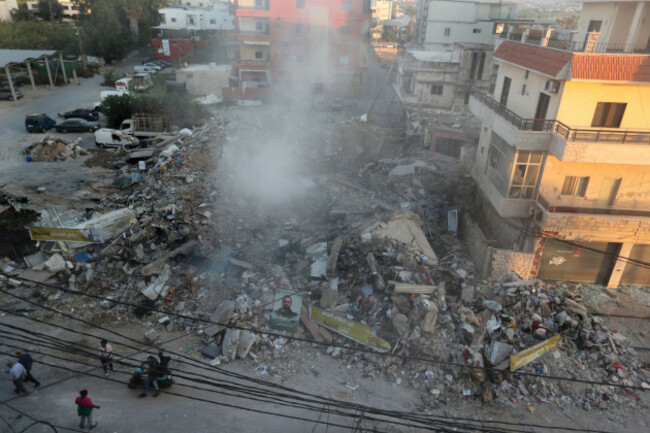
574 46
619 136
578 205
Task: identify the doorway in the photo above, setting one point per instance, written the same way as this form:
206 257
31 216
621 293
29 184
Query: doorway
607 193
594 26
505 90
540 113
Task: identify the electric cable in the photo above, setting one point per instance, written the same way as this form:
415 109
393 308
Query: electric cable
428 420
348 347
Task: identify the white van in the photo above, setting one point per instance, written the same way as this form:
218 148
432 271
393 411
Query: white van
142 82
105 137
123 85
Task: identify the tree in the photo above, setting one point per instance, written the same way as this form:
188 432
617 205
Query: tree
38 35
22 13
50 10
103 32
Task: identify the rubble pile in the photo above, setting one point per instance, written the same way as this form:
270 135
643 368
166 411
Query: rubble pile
54 149
367 244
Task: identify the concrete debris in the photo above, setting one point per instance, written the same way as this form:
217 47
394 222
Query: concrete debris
55 264
53 149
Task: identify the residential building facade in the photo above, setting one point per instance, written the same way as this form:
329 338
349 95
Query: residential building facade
183 30
70 10
563 159
382 10
309 45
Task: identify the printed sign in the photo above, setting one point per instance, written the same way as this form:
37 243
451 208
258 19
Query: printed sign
522 358
165 46
350 329
67 235
286 311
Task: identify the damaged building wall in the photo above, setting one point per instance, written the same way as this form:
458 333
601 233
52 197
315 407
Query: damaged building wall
502 261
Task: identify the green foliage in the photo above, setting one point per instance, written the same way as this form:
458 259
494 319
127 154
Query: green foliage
181 110
19 219
110 78
50 10
22 13
389 34
39 35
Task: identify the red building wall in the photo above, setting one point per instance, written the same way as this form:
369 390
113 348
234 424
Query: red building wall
178 48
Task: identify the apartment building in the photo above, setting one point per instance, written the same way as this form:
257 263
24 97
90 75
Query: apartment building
382 10
6 6
308 45
563 159
191 26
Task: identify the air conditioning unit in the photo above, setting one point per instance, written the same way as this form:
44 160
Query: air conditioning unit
534 213
552 86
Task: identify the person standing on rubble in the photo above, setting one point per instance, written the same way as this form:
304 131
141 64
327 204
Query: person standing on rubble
106 356
25 359
152 369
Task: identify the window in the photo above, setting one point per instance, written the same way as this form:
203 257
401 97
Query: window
367 6
345 30
476 30
575 185
344 60
523 90
259 55
525 174
436 89
300 4
608 114
300 28
259 27
213 21
498 166
526 74
173 20
447 31
346 5
191 19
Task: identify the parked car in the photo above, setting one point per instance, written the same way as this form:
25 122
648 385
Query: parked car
156 66
39 122
76 125
163 63
141 69
105 137
5 93
18 82
81 113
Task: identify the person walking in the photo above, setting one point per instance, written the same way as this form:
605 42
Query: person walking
17 375
106 356
25 359
152 369
85 408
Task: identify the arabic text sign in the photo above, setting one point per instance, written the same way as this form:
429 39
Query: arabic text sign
522 358
348 328
66 235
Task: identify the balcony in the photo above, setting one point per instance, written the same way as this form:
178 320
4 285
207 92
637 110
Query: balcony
567 143
625 220
588 45
254 5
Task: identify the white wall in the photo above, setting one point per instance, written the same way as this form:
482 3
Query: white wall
6 7
202 18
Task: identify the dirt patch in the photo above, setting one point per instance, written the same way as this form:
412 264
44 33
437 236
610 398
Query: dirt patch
104 158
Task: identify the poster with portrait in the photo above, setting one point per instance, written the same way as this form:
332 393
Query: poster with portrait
286 311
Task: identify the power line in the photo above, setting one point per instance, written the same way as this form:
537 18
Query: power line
387 413
256 331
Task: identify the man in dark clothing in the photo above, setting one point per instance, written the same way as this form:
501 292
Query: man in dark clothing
151 369
26 360
285 309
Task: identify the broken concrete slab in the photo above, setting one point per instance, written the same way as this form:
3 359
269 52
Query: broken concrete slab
334 256
329 293
246 341
405 228
157 266
230 343
222 314
412 288
157 287
310 325
497 352
113 223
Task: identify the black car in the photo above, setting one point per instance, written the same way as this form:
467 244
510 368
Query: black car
81 113
5 93
18 82
76 125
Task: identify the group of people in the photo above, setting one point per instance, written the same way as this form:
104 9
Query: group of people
150 373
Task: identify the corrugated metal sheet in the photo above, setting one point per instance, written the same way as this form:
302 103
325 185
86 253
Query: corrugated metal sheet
9 57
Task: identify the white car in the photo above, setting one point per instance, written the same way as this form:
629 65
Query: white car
156 66
141 69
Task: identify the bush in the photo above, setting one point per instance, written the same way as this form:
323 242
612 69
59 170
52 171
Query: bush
109 78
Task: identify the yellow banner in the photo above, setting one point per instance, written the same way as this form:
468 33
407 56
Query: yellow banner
522 358
67 235
350 329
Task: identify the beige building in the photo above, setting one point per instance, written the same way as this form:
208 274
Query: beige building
382 10
563 159
6 6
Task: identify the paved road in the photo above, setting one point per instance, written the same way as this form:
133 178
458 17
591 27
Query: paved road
14 138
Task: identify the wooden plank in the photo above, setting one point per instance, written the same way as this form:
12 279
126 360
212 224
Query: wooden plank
412 288
313 328
334 256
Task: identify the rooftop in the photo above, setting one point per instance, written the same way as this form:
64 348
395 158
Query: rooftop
431 56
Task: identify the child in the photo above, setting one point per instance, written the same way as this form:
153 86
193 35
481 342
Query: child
85 408
106 356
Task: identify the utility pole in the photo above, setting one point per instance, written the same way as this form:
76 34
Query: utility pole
49 3
81 48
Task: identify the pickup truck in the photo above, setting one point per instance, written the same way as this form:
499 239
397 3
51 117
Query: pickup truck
145 125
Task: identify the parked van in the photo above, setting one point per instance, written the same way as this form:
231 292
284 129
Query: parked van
142 82
123 84
105 137
39 122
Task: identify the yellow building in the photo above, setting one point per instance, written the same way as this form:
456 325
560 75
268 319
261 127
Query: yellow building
563 159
